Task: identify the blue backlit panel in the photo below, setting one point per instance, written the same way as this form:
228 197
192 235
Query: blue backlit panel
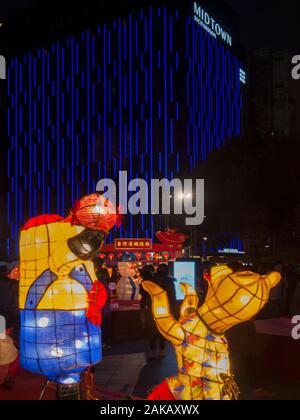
150 93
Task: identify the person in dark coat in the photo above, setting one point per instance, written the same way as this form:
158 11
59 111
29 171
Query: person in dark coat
154 337
167 282
293 282
103 276
9 307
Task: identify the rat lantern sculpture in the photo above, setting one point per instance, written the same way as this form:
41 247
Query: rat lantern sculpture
198 337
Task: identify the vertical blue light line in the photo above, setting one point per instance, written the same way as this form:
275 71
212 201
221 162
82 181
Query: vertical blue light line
88 113
137 137
34 72
58 178
136 38
130 95
193 93
62 63
63 199
30 187
94 131
198 95
93 53
217 95
48 125
146 34
165 94
8 163
77 89
203 100
172 134
49 199
171 84
171 34
43 134
21 78
187 40
151 92
109 47
8 209
136 87
110 145
187 91
21 218
8 122
105 102
151 114
94 98
72 121
120 93
20 90
17 222
125 42
125 91
224 96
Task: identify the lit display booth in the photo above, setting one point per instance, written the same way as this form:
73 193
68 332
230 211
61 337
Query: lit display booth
124 258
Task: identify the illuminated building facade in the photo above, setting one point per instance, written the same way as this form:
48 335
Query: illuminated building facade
147 89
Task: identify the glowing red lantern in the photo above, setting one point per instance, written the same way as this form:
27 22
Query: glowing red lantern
96 213
15 274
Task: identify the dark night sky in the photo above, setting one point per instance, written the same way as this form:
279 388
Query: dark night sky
269 23
263 22
8 7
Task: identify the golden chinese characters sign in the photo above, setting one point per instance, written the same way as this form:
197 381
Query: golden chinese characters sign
132 244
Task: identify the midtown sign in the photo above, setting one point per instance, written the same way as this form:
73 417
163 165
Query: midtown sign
210 25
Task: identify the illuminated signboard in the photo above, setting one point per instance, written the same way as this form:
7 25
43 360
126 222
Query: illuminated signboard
184 272
211 25
231 251
132 244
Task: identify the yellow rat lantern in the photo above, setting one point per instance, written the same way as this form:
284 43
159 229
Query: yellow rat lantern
198 337
60 296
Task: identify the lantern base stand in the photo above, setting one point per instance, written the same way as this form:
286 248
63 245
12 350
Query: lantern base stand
89 385
45 386
68 392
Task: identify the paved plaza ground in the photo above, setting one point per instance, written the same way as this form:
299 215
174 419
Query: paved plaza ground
125 372
125 369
